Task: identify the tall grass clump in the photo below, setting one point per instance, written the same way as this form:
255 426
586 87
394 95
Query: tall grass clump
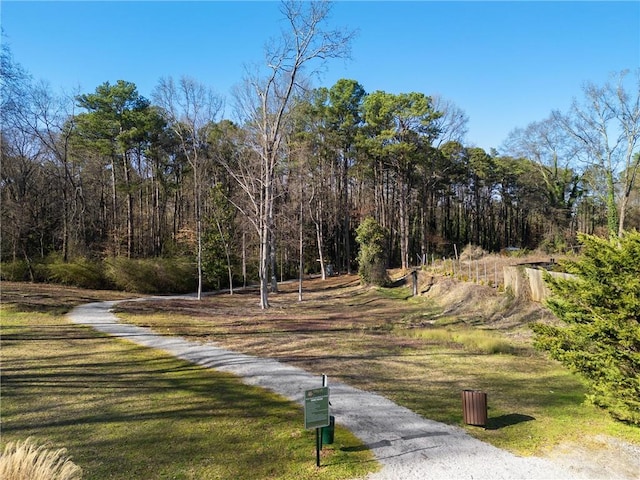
483 341
156 275
29 461
432 335
474 340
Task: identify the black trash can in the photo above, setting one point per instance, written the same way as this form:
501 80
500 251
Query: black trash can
327 432
474 407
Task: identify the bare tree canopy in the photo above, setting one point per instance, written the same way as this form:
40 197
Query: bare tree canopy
453 124
606 125
555 155
263 104
191 110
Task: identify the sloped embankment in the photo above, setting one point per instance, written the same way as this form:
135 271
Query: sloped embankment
481 305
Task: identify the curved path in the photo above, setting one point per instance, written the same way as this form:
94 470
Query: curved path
408 446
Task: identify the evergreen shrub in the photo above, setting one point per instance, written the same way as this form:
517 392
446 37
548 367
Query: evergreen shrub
600 312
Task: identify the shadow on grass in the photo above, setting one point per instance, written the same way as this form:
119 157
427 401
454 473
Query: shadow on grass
128 412
502 421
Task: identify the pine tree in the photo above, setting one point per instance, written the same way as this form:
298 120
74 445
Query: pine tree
600 309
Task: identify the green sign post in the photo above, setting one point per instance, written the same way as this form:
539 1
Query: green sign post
316 413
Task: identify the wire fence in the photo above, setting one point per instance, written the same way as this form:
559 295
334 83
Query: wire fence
488 270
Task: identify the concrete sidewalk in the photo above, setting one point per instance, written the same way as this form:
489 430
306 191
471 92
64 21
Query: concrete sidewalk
408 446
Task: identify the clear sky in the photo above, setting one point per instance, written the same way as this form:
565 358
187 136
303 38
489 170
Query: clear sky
506 64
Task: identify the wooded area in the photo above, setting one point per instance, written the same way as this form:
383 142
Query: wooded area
285 185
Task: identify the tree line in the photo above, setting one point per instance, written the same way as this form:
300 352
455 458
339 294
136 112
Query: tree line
283 188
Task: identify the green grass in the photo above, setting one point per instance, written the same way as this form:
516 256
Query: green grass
128 412
474 340
402 349
398 293
381 343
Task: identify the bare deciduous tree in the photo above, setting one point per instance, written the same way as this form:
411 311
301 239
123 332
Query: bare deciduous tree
607 126
452 125
191 109
263 105
554 155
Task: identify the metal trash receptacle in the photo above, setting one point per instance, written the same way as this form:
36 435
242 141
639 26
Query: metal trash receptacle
474 407
328 432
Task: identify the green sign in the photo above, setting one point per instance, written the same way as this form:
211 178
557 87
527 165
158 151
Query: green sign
316 408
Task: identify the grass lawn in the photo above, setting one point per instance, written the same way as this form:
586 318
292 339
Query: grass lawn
387 342
128 412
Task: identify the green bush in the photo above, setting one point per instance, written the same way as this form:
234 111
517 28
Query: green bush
80 272
23 271
157 275
600 309
372 258
17 271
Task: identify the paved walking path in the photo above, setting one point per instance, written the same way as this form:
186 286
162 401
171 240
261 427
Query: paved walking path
408 446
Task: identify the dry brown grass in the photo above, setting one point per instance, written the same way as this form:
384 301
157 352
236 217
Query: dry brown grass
336 311
340 328
50 298
476 266
130 412
364 337
29 461
339 322
470 304
373 339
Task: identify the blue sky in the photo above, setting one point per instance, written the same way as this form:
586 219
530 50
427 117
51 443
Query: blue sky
506 64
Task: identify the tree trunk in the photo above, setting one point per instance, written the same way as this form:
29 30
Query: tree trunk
346 218
244 260
227 253
612 210
197 208
404 226
65 225
317 222
622 214
272 247
263 268
301 250
114 206
127 184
